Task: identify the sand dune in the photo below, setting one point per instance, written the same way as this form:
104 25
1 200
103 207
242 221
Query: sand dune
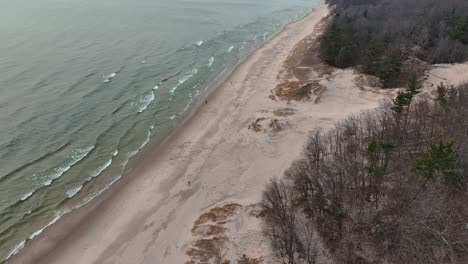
228 150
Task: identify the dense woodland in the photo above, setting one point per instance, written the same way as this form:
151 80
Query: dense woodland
386 186
378 35
389 185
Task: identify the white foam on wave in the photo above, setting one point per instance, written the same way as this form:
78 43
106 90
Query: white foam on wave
199 43
16 249
265 35
210 62
109 77
148 137
58 215
100 169
188 105
21 245
172 117
115 153
57 172
183 80
72 192
26 196
145 101
96 194
230 49
218 76
156 87
130 155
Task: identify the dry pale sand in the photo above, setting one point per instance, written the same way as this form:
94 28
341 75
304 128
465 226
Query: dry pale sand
449 74
149 216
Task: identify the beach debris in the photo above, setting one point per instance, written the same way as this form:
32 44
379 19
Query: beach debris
256 126
271 124
275 125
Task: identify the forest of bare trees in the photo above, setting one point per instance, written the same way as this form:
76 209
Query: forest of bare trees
380 34
385 186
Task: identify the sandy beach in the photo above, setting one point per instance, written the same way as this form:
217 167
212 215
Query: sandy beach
199 192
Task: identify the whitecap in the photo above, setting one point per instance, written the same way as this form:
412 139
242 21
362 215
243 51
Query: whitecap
145 101
199 43
26 196
172 117
143 61
58 215
57 172
130 155
100 169
183 80
16 249
156 87
96 194
187 105
230 49
115 152
210 62
109 77
148 137
72 192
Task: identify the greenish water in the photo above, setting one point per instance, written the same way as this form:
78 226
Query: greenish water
86 84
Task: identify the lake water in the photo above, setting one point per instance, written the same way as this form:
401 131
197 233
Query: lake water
85 85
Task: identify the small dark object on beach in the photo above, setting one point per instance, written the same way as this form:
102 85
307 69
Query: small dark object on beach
206 102
188 183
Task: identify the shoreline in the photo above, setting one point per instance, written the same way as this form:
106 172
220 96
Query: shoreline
80 212
131 200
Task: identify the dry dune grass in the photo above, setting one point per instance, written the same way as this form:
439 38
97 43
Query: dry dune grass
284 112
217 215
209 226
256 126
213 236
295 80
247 260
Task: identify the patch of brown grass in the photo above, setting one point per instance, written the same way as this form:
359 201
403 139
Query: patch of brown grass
297 91
303 61
246 260
211 250
256 126
207 251
284 112
275 125
208 230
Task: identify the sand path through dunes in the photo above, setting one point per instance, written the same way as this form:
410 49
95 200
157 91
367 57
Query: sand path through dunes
148 216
